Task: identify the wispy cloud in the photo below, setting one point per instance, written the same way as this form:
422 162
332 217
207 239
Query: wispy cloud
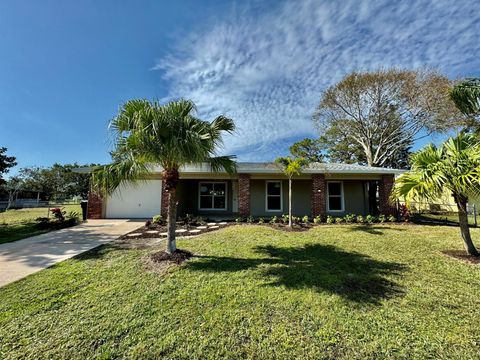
266 66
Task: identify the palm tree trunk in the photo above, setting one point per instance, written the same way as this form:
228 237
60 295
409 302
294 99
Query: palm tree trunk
464 228
171 221
170 177
290 202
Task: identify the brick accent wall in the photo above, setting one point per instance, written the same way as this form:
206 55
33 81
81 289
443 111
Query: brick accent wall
164 202
95 205
244 194
385 186
319 195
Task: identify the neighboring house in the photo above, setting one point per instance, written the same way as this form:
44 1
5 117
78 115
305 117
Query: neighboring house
258 189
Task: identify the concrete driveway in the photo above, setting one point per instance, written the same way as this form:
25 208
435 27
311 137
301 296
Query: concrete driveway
24 257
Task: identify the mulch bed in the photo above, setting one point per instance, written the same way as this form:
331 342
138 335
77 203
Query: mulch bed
160 231
462 256
177 257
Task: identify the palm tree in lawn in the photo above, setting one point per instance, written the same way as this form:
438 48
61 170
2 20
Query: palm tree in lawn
454 166
291 167
147 133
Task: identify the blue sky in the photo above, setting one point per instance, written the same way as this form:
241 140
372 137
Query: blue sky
65 66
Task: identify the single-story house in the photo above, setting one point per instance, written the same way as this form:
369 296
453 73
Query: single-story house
257 189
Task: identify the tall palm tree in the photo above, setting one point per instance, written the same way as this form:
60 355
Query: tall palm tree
147 133
454 166
291 167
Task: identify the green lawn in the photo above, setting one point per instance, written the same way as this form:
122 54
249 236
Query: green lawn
255 292
18 224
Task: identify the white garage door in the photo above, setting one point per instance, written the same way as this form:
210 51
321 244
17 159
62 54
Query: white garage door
140 201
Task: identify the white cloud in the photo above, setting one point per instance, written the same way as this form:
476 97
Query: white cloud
266 66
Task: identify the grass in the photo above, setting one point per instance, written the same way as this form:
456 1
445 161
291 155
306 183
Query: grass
447 219
16 224
382 291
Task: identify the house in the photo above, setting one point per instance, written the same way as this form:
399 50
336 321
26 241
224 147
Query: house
257 189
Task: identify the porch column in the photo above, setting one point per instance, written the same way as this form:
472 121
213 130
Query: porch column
244 194
385 186
319 195
164 201
95 205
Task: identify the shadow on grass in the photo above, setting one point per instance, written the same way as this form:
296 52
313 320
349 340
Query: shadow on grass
372 229
353 276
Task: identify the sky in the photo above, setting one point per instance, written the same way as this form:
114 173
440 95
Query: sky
67 66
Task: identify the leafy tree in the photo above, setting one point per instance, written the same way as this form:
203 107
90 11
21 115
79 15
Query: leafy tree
382 112
148 133
310 149
6 162
291 167
466 96
454 166
57 182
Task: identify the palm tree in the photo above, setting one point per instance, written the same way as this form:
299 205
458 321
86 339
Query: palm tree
466 96
454 166
148 133
291 167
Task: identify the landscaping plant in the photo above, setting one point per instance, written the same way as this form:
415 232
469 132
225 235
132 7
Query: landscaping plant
454 166
147 133
291 167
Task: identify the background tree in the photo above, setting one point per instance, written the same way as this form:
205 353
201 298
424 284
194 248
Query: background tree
291 167
148 134
56 182
466 96
310 149
384 111
454 166
6 163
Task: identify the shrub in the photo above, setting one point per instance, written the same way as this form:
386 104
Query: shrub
261 220
188 219
239 220
382 218
42 222
58 214
369 219
250 219
200 220
404 213
273 219
285 218
350 218
330 219
339 220
148 223
305 219
157 219
317 219
392 218
360 219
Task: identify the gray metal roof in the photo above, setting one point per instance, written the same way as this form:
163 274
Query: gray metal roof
272 168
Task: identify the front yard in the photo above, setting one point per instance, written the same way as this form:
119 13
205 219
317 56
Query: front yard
16 224
343 291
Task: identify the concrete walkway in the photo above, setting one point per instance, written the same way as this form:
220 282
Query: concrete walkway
24 257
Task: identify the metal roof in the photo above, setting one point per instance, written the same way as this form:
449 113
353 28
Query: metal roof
272 168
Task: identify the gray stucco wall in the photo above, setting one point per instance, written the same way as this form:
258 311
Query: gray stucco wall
354 197
301 198
187 196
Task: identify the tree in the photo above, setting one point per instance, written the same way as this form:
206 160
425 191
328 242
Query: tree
466 96
148 133
384 111
57 182
291 167
6 163
309 149
455 167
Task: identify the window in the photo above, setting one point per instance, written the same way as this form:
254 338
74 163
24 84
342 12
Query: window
274 196
335 196
212 196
